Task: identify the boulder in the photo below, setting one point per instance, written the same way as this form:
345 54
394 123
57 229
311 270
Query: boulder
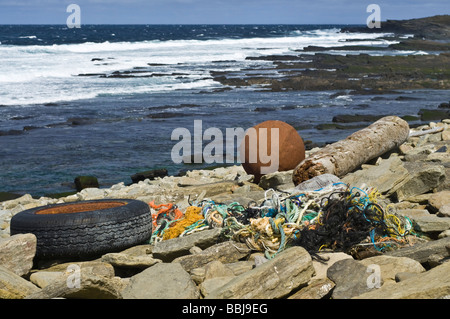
170 249
226 252
445 233
95 267
151 175
240 267
431 284
82 182
212 284
217 269
44 278
276 179
91 194
316 289
23 200
212 189
12 286
162 281
5 196
351 279
274 279
226 270
17 253
439 199
444 211
390 266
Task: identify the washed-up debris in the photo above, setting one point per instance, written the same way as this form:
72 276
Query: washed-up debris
337 217
348 154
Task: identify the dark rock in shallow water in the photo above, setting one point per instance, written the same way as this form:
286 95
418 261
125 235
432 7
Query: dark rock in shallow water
433 115
60 195
407 98
410 118
151 174
82 182
30 127
80 121
334 126
4 196
347 118
165 115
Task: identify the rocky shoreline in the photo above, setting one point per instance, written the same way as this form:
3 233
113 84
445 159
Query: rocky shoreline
318 68
412 181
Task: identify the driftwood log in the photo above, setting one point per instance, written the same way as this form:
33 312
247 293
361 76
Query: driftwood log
348 154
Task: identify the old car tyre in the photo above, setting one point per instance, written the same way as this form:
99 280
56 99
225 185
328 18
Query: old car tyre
87 228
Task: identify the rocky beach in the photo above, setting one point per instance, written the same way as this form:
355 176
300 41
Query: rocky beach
411 180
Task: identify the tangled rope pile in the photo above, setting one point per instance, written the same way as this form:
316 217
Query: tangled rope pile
336 217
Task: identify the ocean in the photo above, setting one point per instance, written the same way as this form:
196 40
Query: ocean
103 100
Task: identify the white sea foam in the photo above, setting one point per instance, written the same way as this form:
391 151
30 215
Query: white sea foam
43 74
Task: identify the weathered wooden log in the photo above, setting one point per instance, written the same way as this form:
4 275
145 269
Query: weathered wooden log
348 154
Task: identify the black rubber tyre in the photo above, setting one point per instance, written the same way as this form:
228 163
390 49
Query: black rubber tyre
84 229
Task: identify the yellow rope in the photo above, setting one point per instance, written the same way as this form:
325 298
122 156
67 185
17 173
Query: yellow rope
192 215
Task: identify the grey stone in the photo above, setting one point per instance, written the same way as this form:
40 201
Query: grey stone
12 286
17 253
439 199
162 281
45 278
424 179
276 278
198 275
445 233
383 176
390 266
422 251
431 223
89 286
94 267
170 249
431 284
240 267
210 285
195 250
444 211
316 289
404 275
350 277
215 269
125 260
226 252
327 260
276 179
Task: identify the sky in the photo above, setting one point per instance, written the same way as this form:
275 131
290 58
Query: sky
215 11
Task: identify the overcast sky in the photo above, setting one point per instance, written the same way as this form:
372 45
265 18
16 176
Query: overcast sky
215 11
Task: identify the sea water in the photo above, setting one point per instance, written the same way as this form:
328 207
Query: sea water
64 113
